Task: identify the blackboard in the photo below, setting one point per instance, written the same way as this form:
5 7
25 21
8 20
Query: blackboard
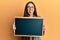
28 26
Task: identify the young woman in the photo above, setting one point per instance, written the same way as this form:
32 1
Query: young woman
30 11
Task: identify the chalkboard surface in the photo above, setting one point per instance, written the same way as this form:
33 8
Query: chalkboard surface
28 26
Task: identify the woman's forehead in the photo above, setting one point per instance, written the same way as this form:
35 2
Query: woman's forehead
30 4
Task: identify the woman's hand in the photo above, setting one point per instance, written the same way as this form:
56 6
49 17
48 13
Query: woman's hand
14 28
43 29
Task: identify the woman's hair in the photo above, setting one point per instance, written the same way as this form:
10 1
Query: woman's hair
26 14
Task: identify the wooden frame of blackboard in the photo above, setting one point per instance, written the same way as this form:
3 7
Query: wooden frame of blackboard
28 35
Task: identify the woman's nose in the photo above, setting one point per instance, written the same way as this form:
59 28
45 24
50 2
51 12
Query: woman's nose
30 8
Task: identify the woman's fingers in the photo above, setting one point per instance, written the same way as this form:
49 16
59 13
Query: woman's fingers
43 29
14 28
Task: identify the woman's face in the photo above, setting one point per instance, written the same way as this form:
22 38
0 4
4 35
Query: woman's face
30 8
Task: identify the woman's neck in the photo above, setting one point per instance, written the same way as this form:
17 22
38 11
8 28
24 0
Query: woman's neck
31 15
